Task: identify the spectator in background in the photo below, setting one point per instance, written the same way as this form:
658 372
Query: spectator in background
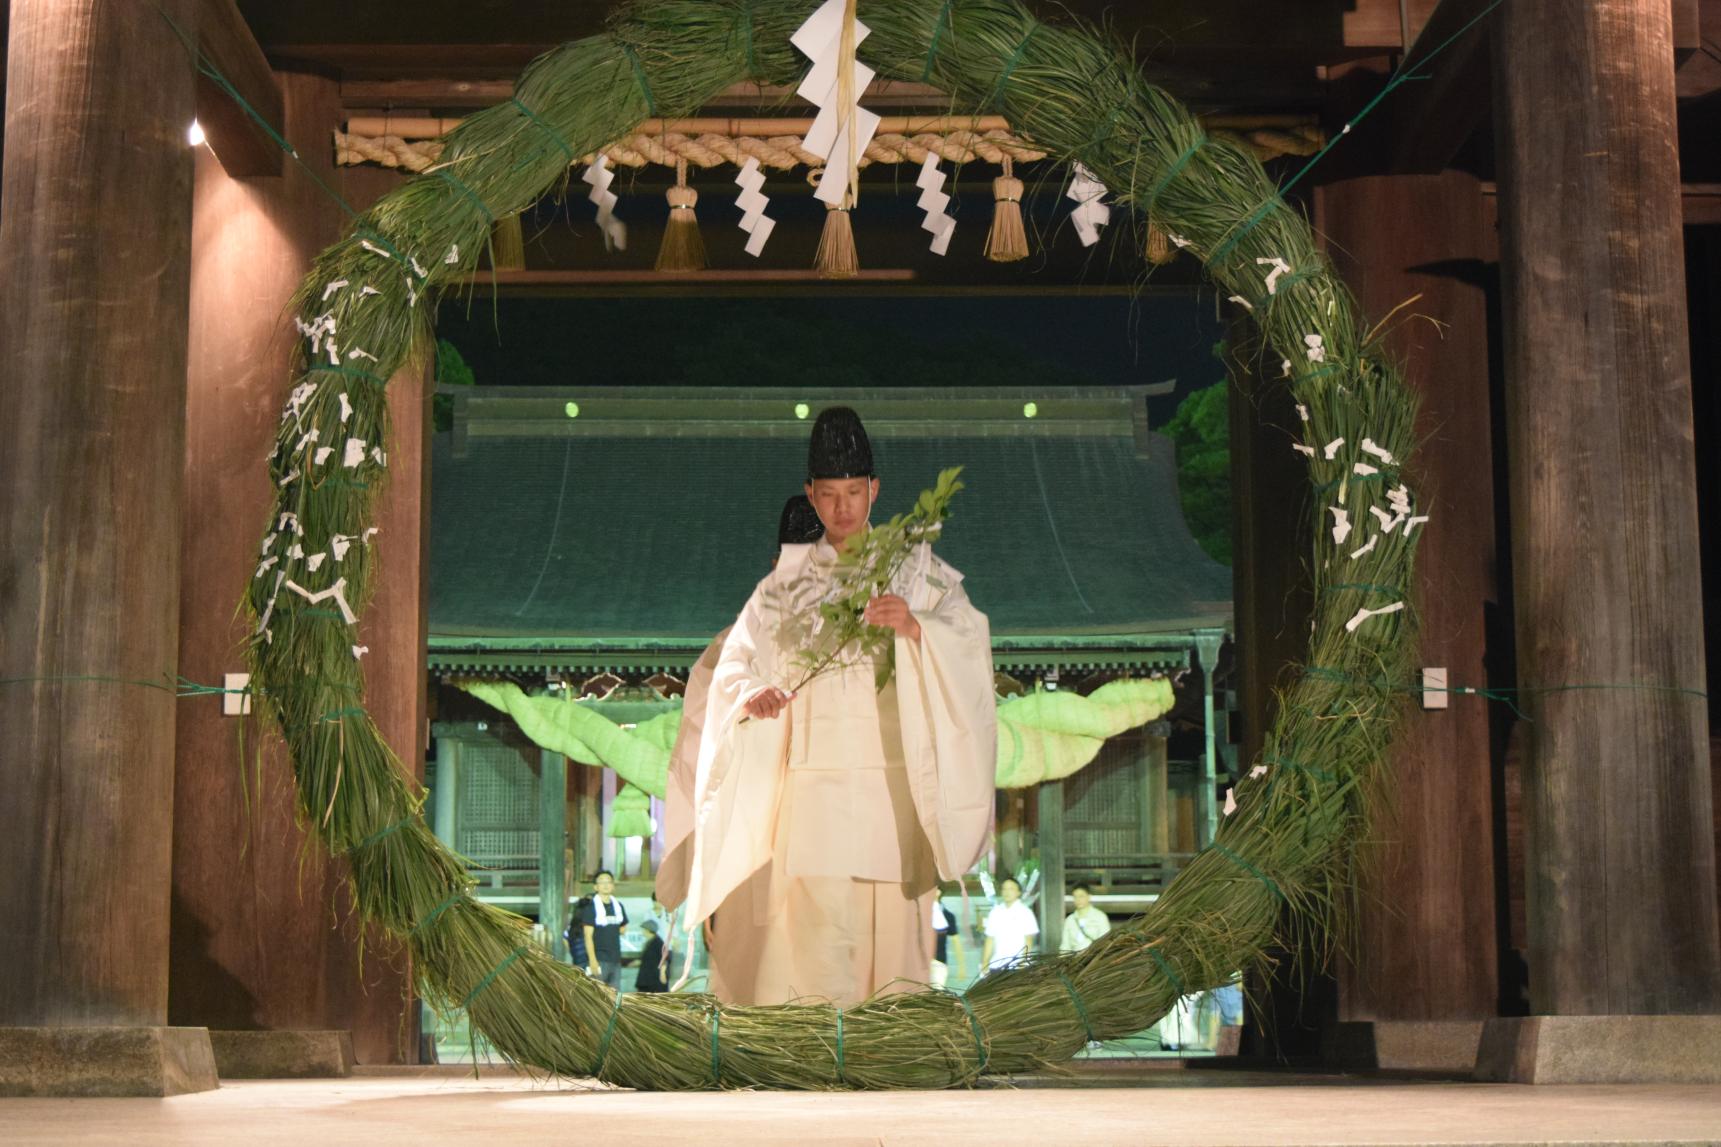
947 932
602 923
1086 924
651 960
576 933
1010 928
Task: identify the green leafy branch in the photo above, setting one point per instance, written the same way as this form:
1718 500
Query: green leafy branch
865 570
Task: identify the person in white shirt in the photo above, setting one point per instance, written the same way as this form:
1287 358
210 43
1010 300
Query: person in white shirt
1086 924
1010 928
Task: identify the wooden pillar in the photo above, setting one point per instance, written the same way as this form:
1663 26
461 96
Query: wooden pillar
1621 857
447 794
1207 642
1050 795
95 245
552 843
253 945
1426 950
1157 791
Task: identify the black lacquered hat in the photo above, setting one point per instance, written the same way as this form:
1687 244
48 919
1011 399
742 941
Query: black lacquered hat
799 524
840 448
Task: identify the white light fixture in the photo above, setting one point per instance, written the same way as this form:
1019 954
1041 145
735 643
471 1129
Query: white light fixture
195 136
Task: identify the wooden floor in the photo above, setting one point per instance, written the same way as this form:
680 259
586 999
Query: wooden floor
422 1106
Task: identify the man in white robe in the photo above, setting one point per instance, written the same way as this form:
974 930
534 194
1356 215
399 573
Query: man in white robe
823 821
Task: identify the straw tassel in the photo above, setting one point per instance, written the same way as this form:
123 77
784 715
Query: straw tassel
507 245
1007 241
683 247
1159 251
837 257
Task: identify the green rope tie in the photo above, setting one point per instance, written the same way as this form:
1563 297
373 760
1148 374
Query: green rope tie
350 483
430 918
455 182
716 1052
319 611
381 240
1249 224
1165 967
351 371
639 75
1250 868
1329 368
491 978
1355 480
1009 67
747 37
1287 281
339 714
555 136
1299 767
840 1078
979 1036
609 1033
1174 171
938 27
1081 1011
380 833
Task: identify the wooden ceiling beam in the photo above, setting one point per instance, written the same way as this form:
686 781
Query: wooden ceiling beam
243 147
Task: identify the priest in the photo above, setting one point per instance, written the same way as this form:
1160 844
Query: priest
824 819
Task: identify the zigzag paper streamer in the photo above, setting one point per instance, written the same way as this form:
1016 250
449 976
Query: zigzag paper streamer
752 201
820 40
1089 214
599 176
933 200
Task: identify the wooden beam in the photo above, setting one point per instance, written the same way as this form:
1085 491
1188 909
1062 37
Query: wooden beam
237 140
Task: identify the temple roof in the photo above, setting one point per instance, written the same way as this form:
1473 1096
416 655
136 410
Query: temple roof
645 518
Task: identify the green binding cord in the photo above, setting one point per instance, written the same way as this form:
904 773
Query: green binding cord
937 35
380 833
747 34
1165 967
491 978
639 75
454 181
979 1036
343 368
1299 767
1075 998
340 714
430 918
554 135
840 1078
1366 587
1249 868
1010 66
1174 171
716 1053
1249 224
609 1032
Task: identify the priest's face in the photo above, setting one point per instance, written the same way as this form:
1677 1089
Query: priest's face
1009 891
843 505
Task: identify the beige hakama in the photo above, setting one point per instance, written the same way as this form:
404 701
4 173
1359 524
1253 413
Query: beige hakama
819 837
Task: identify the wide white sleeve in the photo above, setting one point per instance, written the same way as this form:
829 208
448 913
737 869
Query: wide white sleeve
949 719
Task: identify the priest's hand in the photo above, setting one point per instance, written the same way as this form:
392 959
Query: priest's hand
891 612
767 703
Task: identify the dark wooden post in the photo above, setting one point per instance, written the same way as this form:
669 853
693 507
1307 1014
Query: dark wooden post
552 844
95 245
1422 977
1050 797
1621 880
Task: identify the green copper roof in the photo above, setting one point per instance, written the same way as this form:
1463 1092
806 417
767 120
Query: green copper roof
625 525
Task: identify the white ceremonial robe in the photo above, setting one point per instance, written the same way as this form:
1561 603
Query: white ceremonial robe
819 836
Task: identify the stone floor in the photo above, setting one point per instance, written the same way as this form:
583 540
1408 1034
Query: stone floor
1132 1104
